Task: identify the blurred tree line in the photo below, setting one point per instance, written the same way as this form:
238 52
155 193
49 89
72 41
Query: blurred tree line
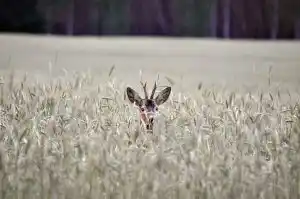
198 18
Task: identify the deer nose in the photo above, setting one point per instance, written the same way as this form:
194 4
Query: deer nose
151 119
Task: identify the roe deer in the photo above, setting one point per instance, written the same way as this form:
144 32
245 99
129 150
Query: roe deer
148 107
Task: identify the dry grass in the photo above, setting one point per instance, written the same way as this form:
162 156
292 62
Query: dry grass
60 140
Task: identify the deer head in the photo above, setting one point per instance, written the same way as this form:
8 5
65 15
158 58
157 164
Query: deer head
148 107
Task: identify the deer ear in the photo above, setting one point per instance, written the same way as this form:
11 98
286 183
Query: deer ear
133 96
163 96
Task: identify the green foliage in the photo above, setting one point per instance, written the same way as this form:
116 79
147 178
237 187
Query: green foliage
289 10
19 16
192 17
166 17
115 16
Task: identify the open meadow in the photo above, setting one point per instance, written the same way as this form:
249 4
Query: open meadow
230 129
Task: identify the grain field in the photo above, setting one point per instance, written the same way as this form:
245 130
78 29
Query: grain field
231 128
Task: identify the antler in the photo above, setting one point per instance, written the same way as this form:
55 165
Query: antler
153 90
144 85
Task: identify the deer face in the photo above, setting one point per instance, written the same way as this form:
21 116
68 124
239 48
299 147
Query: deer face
148 107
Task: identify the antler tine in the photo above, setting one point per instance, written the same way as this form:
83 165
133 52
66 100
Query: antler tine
153 90
144 85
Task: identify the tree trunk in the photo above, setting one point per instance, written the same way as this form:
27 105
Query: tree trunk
94 19
297 28
274 20
70 19
214 18
164 16
49 20
226 17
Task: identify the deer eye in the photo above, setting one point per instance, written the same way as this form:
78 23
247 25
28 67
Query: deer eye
156 108
142 109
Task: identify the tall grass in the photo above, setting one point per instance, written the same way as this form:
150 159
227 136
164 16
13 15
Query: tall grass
67 139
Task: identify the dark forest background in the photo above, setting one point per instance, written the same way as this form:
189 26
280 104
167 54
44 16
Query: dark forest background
258 19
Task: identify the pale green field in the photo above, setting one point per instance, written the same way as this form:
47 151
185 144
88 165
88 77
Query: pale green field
188 61
65 133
